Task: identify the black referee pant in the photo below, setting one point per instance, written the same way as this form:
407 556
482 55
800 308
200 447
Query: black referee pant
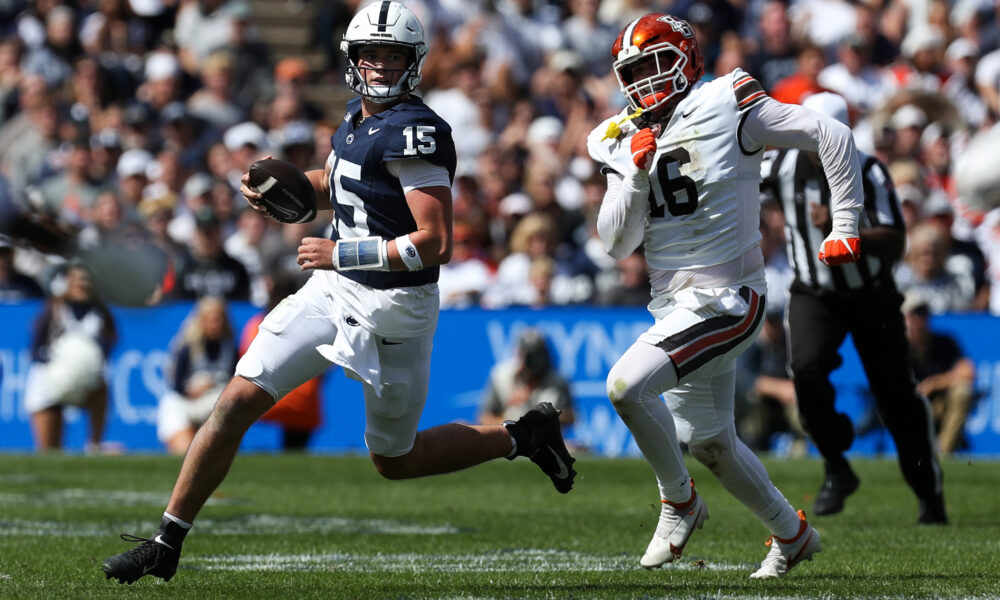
817 326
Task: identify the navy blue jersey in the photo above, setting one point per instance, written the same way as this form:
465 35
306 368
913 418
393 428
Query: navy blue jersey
367 199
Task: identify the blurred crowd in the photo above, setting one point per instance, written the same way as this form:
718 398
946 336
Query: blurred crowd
127 124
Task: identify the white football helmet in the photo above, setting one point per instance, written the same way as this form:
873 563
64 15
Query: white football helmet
384 23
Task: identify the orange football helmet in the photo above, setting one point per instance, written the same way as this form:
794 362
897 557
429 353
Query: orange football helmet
657 60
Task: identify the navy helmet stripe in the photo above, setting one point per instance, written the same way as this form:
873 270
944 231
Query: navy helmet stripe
383 15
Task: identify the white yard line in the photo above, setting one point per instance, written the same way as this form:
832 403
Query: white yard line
503 561
250 525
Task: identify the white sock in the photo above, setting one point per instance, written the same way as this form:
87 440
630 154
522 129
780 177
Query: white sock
742 474
183 524
635 384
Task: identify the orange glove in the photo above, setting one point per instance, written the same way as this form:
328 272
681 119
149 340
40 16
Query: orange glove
643 148
840 250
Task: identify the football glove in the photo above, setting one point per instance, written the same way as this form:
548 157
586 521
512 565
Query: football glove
839 250
643 148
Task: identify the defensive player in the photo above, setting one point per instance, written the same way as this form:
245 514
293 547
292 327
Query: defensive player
683 180
371 304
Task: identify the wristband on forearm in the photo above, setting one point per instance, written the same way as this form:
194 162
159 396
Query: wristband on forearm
409 253
367 253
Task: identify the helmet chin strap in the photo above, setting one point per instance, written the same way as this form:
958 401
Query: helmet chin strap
661 115
383 98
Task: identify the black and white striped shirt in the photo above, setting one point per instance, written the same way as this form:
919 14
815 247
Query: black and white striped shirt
797 181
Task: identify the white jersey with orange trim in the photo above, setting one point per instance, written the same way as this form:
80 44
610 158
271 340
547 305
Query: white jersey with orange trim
704 187
697 209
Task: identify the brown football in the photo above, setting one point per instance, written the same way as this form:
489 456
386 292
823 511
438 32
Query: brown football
288 195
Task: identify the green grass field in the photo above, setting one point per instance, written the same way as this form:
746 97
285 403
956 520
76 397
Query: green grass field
329 527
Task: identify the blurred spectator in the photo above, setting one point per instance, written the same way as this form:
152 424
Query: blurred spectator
213 102
291 76
202 360
541 274
223 201
775 57
805 81
106 222
298 413
245 245
70 344
854 76
460 106
105 150
925 271
251 61
207 270
466 276
589 36
52 59
631 286
535 236
133 176
297 143
14 285
71 193
824 22
156 213
197 192
923 67
204 26
944 374
519 383
869 27
907 123
765 394
11 51
960 87
987 79
163 81
965 259
26 142
246 143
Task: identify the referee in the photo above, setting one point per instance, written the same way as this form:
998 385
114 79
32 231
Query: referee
827 303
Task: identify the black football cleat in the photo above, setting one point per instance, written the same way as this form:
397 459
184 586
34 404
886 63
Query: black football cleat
932 511
539 437
151 557
836 488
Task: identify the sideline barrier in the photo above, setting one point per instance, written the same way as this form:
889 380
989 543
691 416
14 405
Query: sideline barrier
585 341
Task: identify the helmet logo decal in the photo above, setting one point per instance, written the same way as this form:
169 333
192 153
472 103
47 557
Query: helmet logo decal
677 25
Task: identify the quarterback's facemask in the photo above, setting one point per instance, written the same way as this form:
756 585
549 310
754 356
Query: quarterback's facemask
657 60
384 23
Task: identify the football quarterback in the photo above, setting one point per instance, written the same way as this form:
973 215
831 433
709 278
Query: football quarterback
371 304
683 170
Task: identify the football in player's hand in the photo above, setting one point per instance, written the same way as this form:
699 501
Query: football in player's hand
288 196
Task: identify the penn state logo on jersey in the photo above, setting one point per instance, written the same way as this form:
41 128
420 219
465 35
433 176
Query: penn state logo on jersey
367 199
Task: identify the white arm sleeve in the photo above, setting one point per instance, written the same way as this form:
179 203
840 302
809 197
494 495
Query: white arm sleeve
621 220
416 173
772 123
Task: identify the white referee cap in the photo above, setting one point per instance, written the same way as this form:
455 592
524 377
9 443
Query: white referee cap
828 104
